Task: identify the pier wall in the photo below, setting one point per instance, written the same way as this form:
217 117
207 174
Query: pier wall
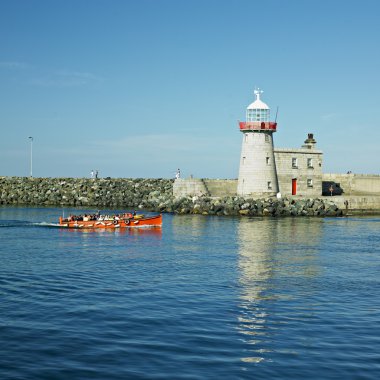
356 184
357 204
204 186
361 191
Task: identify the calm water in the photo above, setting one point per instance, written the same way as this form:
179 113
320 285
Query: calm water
206 298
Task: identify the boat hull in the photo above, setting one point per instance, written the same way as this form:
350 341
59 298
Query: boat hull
152 221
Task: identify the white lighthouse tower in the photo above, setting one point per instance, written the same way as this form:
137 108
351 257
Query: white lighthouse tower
257 172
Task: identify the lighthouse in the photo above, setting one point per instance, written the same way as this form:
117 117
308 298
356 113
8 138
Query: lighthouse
257 171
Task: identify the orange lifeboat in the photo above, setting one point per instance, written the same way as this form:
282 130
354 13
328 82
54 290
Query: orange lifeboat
124 221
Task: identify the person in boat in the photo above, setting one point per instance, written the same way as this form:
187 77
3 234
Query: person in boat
134 213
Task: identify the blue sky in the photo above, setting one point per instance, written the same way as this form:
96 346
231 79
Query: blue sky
141 88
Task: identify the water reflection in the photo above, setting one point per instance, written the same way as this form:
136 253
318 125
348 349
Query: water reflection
190 225
273 253
189 231
151 231
107 240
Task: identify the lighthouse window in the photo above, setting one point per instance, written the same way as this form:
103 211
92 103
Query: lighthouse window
267 159
309 182
246 138
294 163
257 115
310 163
269 185
243 160
266 138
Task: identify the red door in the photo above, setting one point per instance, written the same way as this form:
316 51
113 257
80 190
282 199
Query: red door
294 186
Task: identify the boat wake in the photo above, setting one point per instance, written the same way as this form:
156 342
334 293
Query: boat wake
14 223
23 223
45 224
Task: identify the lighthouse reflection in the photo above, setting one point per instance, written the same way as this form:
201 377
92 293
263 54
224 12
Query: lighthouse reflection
277 263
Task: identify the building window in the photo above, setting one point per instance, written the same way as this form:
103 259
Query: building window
310 163
269 185
267 160
294 163
309 182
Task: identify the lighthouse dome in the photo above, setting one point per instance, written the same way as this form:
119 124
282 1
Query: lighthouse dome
258 110
258 105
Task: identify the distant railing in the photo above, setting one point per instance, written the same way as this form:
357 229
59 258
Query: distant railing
257 125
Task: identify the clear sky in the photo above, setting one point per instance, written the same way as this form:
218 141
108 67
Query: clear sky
141 88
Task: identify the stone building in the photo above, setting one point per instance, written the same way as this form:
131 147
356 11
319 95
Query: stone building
299 171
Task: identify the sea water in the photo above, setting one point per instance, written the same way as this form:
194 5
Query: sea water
201 298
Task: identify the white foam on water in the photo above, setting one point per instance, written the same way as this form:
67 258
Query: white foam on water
46 224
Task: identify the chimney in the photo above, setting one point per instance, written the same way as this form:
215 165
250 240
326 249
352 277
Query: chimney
309 142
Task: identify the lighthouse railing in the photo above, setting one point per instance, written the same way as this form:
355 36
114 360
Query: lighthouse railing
257 125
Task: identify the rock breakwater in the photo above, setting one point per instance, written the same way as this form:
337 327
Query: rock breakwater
149 194
256 207
115 192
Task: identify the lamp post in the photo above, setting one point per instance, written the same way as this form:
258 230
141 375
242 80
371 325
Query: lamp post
31 155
